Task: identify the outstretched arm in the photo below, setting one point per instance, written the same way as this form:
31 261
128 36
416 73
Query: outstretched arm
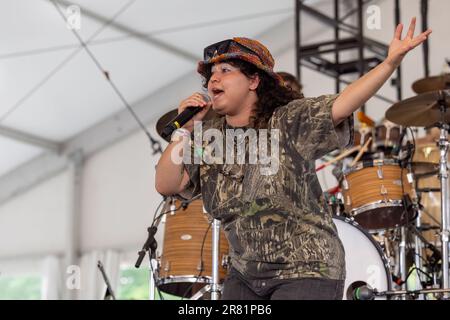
357 93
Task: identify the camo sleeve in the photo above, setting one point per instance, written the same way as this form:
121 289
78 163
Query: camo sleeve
192 188
309 126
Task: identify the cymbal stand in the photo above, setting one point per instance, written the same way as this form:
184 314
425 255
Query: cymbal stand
402 258
418 251
215 286
443 177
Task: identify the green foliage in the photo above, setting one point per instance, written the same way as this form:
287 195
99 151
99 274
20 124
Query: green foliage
21 287
133 285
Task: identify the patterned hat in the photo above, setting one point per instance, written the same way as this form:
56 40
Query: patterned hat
245 49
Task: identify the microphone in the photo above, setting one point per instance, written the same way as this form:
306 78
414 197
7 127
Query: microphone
181 119
364 293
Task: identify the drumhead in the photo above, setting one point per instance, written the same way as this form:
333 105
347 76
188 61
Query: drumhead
371 163
365 261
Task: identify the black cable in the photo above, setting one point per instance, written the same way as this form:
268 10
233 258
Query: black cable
414 142
156 145
421 257
406 197
201 264
156 211
405 213
419 270
184 203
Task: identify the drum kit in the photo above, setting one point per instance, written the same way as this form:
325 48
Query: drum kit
397 192
391 210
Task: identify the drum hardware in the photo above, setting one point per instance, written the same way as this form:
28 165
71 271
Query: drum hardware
427 190
388 137
200 293
189 252
373 192
151 245
426 109
225 261
418 245
380 172
366 292
443 175
402 256
423 170
215 290
345 184
426 244
430 216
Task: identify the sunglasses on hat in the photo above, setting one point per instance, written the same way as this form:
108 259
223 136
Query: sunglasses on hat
223 47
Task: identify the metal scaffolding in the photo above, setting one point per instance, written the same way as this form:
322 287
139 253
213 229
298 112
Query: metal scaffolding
312 55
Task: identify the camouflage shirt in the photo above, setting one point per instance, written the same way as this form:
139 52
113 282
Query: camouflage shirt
279 226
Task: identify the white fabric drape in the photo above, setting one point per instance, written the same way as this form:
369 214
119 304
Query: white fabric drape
52 278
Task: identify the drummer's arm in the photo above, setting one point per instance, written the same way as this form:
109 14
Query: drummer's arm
171 178
360 91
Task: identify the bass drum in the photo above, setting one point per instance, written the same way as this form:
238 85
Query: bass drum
365 261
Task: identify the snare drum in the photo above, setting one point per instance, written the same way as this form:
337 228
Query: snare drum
182 257
365 262
373 193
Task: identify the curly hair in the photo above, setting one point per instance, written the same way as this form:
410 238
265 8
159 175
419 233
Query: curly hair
271 94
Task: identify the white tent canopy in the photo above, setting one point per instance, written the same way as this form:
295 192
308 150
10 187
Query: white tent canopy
76 172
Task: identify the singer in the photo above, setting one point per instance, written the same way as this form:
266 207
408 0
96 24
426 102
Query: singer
283 242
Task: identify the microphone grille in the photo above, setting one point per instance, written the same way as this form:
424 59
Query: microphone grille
206 97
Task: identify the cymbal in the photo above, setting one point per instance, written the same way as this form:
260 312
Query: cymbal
422 110
167 117
441 82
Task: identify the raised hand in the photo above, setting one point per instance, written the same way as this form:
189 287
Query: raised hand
399 48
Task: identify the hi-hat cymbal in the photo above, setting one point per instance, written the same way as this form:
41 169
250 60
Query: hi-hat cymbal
441 82
420 111
166 118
